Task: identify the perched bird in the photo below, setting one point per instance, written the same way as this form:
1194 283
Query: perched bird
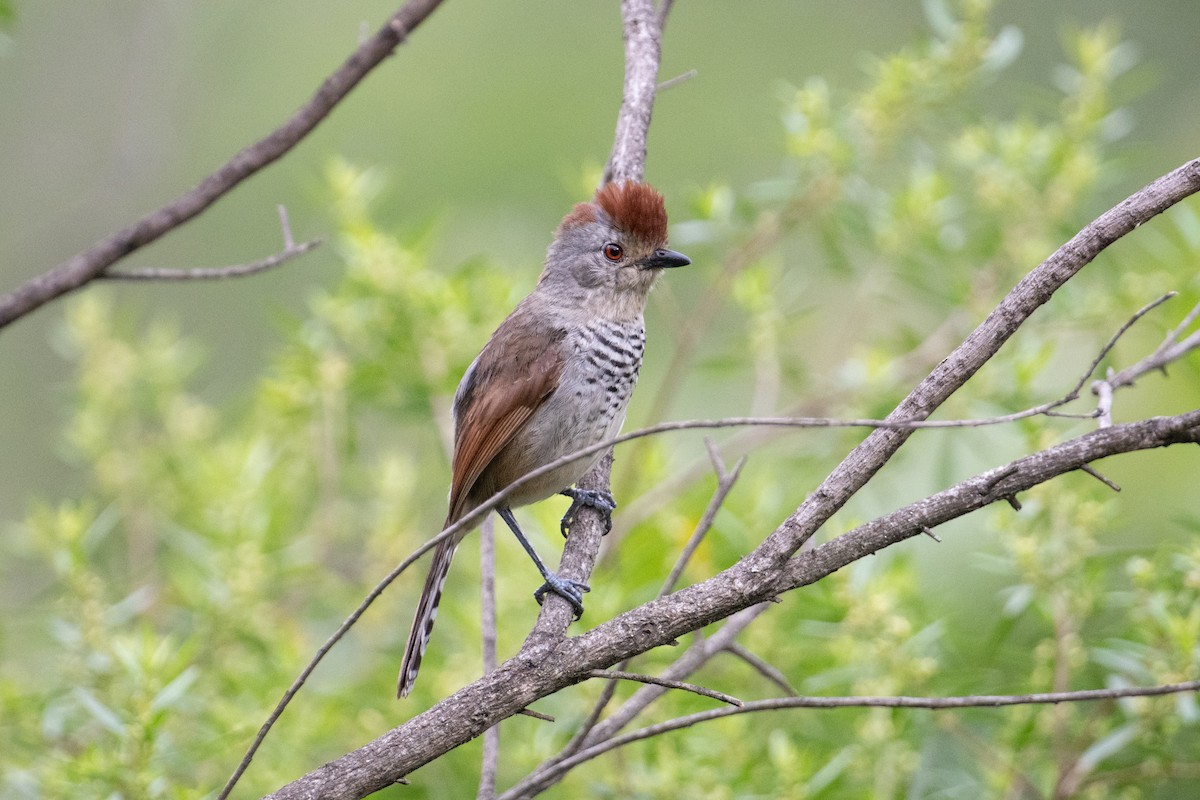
555 377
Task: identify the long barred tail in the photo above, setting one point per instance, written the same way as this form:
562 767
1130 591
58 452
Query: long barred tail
427 608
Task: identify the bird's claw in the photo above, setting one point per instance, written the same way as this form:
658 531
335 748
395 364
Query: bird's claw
603 502
567 589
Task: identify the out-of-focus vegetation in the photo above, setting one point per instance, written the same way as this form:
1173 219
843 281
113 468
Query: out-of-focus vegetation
215 544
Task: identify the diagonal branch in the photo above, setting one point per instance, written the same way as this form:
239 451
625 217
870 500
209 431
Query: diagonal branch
642 26
622 675
933 703
91 263
545 666
487 592
587 555
290 250
956 369
1171 349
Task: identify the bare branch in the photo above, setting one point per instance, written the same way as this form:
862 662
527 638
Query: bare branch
1090 470
666 683
960 365
1112 342
642 28
583 559
933 703
529 712
725 483
984 489
683 77
591 733
211 273
763 668
487 592
91 263
1170 350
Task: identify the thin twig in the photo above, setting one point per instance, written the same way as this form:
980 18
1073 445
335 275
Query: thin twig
1171 349
1112 342
1090 470
683 77
591 731
487 593
580 737
664 10
285 225
763 667
529 712
91 263
621 675
933 703
725 481
211 273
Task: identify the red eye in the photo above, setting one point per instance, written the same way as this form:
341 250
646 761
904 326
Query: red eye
613 252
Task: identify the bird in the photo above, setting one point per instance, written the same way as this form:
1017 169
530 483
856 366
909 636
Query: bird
554 377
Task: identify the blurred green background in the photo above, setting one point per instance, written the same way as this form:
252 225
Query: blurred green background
437 185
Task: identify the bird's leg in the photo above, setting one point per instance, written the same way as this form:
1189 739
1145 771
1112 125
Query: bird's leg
601 501
569 590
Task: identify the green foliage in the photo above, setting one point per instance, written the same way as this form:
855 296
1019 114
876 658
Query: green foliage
215 546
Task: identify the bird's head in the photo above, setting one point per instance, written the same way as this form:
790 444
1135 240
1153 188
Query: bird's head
613 247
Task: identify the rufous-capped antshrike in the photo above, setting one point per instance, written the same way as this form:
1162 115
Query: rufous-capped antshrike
554 378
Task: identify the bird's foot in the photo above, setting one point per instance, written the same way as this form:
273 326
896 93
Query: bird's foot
569 590
601 501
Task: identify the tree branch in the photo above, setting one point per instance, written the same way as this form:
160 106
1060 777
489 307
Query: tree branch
989 487
290 251
642 27
590 733
933 703
546 665
212 273
957 368
1170 350
487 596
91 263
666 683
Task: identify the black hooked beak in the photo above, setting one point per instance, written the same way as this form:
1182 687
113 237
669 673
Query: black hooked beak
665 259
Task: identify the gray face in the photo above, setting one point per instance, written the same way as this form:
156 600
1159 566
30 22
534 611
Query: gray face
598 255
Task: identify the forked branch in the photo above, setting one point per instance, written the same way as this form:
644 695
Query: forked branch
89 265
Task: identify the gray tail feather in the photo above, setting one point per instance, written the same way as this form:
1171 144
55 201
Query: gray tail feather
427 607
